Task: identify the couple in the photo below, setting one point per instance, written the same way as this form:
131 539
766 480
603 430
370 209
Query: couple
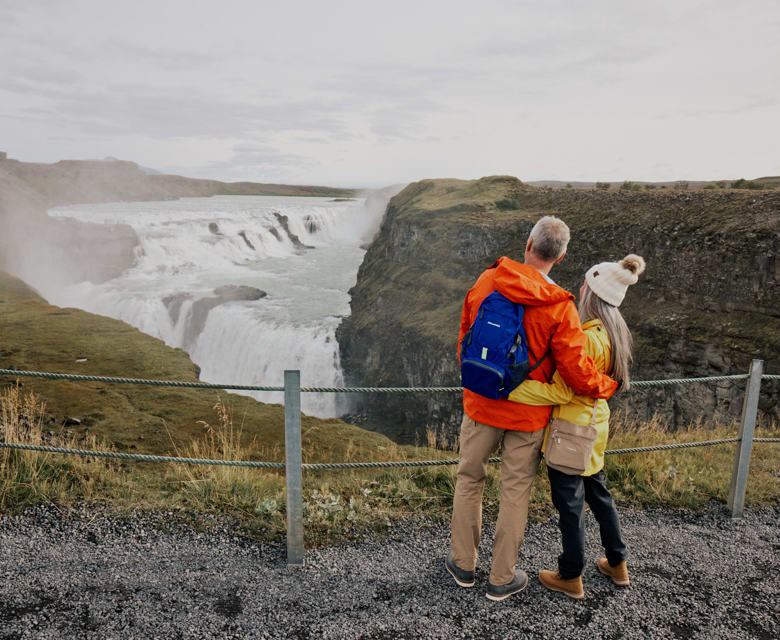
590 353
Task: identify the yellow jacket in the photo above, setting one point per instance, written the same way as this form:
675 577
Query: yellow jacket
571 407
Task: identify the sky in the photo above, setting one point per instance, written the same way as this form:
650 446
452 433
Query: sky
368 94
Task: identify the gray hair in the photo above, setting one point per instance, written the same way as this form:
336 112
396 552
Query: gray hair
592 307
550 237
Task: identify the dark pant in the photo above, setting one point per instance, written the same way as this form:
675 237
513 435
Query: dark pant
569 494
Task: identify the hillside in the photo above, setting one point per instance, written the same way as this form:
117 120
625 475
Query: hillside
709 302
41 337
81 181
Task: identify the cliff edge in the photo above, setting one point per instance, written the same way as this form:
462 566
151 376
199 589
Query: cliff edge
708 303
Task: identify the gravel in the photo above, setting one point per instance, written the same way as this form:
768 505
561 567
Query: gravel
89 574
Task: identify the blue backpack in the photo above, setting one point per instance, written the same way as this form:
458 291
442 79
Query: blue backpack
494 352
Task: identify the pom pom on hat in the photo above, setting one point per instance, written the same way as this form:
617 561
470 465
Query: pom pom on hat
633 263
610 280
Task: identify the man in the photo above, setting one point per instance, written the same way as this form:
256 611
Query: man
550 322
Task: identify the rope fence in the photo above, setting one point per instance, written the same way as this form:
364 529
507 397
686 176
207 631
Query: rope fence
326 466
294 466
638 384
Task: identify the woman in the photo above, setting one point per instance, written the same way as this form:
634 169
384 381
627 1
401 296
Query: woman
609 346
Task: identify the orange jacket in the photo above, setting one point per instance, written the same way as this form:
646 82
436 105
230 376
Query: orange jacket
550 320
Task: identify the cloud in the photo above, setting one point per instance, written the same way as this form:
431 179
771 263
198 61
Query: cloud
734 110
563 55
169 111
32 74
165 57
261 162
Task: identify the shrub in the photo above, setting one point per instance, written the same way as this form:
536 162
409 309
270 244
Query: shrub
602 185
682 185
649 186
747 184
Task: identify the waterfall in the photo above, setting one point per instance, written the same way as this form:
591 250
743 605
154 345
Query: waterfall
248 285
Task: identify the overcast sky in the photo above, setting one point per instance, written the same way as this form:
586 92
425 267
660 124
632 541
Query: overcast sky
374 93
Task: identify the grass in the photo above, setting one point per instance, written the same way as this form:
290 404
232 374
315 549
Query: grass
340 505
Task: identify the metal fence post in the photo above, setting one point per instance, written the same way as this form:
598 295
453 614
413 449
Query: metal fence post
293 472
739 475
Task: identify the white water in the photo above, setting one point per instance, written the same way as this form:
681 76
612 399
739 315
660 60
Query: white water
241 342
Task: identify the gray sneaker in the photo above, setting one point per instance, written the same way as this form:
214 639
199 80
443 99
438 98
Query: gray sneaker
502 592
462 578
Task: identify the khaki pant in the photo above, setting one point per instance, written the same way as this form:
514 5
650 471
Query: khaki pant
521 453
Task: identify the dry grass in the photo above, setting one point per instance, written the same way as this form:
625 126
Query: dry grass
688 477
344 504
27 477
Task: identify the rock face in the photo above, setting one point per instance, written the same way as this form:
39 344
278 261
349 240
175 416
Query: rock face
284 222
708 303
202 307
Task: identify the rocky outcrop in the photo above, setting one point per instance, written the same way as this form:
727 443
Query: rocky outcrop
249 244
202 307
285 224
708 303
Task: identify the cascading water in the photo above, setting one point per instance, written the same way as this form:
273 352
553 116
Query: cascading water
248 285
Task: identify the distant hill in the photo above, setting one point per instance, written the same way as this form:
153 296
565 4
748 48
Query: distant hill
81 181
616 184
74 251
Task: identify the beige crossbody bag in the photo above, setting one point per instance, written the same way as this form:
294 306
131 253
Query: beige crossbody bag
570 445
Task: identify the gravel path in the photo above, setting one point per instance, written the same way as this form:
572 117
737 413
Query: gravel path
88 575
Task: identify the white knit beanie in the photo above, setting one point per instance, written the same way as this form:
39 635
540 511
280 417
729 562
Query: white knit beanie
610 280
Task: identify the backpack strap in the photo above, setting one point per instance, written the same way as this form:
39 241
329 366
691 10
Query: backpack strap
540 360
516 345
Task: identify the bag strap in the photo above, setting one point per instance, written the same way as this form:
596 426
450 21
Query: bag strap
593 417
540 360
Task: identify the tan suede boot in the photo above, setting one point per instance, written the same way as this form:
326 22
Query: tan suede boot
619 574
553 581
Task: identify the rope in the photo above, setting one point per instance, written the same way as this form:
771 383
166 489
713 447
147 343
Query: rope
331 465
381 389
676 445
206 385
770 376
154 383
671 381
382 465
142 457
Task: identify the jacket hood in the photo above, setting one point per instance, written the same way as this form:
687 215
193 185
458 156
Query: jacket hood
525 285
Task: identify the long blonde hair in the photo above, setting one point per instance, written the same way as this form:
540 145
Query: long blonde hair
592 307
